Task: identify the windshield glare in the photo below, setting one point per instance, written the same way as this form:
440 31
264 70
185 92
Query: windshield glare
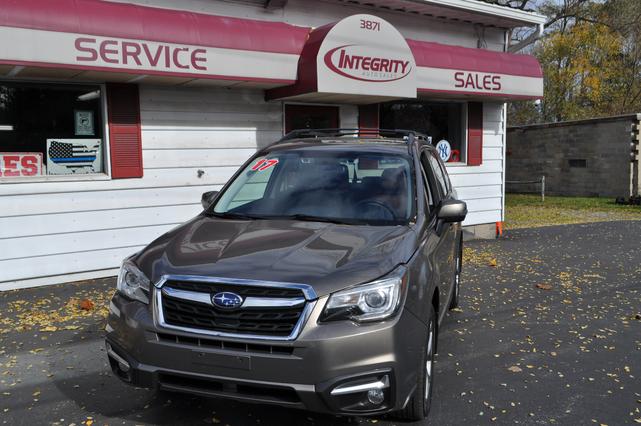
371 188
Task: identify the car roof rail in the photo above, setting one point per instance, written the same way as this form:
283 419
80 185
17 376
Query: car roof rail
408 136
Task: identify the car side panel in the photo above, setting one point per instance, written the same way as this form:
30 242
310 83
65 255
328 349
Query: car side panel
444 254
447 233
423 276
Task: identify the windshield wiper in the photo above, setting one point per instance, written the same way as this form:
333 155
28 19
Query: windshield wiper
311 218
298 216
228 215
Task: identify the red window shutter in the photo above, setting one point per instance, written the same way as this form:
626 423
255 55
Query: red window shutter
368 116
474 133
125 141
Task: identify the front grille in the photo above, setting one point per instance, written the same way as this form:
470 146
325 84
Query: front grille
278 322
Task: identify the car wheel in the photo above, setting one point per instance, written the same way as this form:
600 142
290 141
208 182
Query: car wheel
419 404
457 276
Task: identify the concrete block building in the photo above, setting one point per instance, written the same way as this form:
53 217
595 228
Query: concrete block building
595 157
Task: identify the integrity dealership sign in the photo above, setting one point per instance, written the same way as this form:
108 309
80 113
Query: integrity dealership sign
349 61
377 60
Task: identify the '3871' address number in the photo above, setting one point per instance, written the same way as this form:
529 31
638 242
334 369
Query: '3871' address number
370 25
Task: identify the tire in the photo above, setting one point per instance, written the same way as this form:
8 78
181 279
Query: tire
419 404
454 301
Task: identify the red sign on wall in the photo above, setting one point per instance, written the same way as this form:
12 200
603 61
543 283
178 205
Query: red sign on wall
20 164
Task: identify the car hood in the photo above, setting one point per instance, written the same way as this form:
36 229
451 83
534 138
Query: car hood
327 256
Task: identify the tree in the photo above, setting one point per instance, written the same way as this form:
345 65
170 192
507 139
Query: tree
591 58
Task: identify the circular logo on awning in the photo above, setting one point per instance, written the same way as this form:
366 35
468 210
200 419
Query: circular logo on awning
360 63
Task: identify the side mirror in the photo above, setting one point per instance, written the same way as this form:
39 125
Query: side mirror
452 211
208 198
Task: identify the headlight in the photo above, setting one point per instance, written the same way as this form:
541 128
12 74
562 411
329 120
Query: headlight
132 283
373 301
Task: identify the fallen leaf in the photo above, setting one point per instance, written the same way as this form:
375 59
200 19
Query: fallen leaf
515 369
544 286
492 262
86 305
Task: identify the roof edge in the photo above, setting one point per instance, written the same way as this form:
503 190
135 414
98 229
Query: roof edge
484 8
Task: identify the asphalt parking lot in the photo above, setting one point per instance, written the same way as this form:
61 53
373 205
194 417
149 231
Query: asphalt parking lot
549 332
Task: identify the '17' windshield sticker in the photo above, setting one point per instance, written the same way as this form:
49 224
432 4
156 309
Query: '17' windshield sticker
262 165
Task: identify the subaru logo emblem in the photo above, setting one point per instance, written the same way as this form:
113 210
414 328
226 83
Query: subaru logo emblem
226 300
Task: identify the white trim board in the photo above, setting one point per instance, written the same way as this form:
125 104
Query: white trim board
58 279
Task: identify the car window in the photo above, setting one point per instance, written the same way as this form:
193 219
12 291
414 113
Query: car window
440 162
438 173
350 186
430 185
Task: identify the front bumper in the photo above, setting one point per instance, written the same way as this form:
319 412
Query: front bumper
301 373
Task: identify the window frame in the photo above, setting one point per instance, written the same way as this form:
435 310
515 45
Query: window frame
464 125
463 160
106 160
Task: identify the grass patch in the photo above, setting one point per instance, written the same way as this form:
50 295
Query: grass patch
528 211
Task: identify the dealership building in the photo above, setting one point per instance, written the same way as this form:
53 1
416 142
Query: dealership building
115 116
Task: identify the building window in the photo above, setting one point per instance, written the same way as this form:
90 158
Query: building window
439 120
50 130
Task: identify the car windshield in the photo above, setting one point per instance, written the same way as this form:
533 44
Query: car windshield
322 185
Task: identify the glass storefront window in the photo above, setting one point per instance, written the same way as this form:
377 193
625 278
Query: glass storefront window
442 121
50 129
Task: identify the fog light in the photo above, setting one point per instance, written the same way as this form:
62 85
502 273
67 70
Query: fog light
375 396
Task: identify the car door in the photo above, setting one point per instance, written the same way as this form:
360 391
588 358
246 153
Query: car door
436 248
446 231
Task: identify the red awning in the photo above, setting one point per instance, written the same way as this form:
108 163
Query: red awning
457 71
129 21
118 42
438 69
436 55
101 38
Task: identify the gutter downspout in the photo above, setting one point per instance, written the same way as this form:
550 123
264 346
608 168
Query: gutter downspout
528 40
